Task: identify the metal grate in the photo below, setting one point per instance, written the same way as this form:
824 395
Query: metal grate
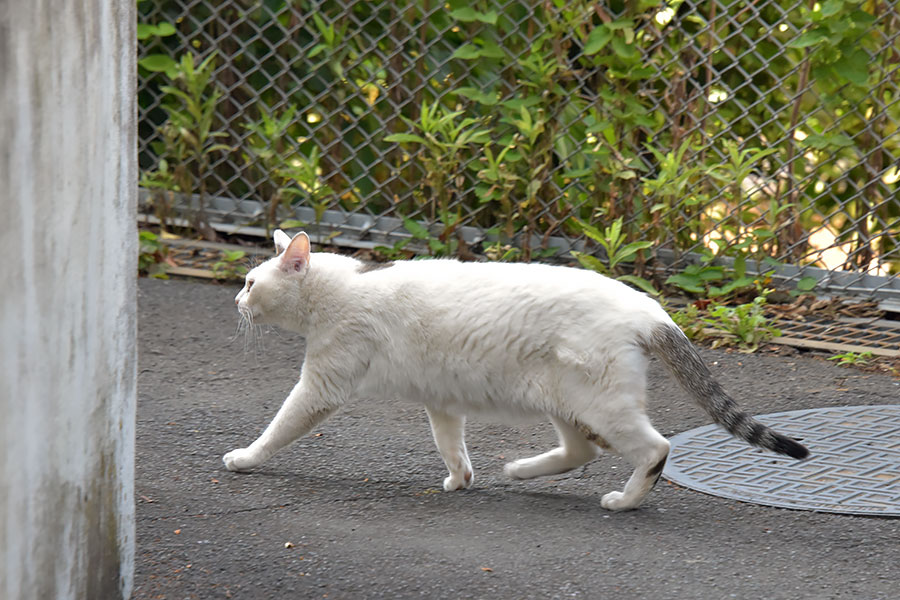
880 337
625 87
854 466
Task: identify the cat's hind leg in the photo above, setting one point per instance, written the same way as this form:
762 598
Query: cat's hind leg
631 435
449 437
574 450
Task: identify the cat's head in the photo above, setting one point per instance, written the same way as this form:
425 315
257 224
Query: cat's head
270 289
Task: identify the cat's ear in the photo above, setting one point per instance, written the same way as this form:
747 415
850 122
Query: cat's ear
296 255
282 241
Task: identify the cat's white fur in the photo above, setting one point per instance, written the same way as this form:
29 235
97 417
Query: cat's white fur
514 340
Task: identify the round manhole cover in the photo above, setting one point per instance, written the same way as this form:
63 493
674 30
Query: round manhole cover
854 466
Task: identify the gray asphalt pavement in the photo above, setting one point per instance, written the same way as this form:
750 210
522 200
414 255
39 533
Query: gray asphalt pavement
355 510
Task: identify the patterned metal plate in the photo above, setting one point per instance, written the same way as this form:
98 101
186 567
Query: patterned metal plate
854 467
881 337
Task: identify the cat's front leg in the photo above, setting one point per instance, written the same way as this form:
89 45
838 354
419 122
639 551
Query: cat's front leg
305 407
449 436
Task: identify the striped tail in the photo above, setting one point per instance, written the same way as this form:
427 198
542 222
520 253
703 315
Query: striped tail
669 343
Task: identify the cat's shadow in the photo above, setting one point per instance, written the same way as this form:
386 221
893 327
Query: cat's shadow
507 495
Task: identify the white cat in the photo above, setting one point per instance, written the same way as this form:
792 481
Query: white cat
520 340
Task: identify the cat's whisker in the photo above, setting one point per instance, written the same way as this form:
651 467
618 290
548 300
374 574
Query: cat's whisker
250 331
238 331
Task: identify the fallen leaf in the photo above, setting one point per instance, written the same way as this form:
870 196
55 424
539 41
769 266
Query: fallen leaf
177 532
214 480
288 545
147 500
487 569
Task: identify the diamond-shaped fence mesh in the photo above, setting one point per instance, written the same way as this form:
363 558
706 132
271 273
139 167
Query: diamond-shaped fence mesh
762 130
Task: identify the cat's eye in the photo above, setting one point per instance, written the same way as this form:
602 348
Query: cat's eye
249 284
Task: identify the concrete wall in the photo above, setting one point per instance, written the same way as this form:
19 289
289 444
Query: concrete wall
67 298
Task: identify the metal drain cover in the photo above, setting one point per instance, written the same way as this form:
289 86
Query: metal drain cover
854 467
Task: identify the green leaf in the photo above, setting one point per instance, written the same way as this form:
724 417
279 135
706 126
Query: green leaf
165 29
488 99
642 72
621 24
689 283
853 66
820 142
467 52
145 30
291 224
577 173
640 283
317 49
405 137
613 233
831 8
492 50
810 38
597 40
740 266
589 230
158 63
490 17
862 19
807 284
515 104
233 255
623 49
711 274
416 229
626 252
468 15
815 140
589 262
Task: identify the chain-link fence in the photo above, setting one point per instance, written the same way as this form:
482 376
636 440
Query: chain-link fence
759 132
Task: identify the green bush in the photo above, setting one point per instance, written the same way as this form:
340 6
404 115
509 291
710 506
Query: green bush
620 110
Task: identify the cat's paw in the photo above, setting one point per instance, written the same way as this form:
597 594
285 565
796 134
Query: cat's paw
454 482
240 460
515 470
615 501
526 468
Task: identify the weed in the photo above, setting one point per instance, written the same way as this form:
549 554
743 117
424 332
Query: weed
617 253
286 173
744 325
690 322
229 268
851 358
806 285
153 255
441 245
500 252
395 252
445 140
188 139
